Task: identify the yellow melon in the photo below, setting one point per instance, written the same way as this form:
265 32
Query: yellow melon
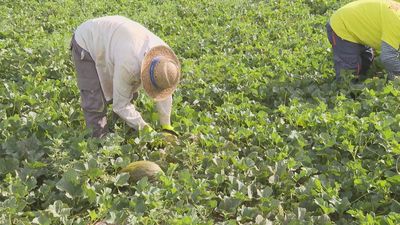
138 170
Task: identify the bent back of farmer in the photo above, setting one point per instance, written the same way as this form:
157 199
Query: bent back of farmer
361 26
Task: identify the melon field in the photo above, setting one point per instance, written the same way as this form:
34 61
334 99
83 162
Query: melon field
266 134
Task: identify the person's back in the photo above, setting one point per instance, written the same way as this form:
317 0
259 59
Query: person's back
115 40
355 21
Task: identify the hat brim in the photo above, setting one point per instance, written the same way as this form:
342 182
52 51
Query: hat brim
153 92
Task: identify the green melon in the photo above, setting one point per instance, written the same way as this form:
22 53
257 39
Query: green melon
138 170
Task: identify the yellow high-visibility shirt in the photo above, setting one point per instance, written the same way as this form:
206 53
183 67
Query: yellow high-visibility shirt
369 22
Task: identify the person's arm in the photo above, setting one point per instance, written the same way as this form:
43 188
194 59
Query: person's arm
124 83
164 110
390 59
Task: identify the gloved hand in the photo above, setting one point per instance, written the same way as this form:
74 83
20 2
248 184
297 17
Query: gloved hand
169 134
168 129
147 129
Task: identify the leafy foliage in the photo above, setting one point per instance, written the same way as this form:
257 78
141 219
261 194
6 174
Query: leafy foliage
266 134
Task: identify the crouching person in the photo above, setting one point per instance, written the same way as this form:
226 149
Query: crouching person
115 56
359 28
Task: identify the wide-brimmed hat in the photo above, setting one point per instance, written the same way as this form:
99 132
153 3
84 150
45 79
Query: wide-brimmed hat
160 72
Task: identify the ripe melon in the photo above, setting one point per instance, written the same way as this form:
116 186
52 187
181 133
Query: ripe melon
170 138
138 170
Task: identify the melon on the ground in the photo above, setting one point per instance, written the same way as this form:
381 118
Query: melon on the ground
138 170
170 138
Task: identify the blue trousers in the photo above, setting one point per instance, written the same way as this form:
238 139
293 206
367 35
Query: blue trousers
348 55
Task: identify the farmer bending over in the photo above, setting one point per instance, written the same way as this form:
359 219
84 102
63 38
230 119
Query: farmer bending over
114 56
361 26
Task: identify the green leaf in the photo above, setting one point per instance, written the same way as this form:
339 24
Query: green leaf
394 179
122 179
42 219
265 193
59 210
70 183
229 204
326 208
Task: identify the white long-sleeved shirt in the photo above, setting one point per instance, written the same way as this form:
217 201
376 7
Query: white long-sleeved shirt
118 46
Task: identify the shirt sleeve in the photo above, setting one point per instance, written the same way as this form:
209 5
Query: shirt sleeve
124 84
390 58
164 110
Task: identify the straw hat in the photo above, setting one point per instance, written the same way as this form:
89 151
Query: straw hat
160 72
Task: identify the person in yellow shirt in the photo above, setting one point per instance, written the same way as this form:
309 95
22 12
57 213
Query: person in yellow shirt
359 28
